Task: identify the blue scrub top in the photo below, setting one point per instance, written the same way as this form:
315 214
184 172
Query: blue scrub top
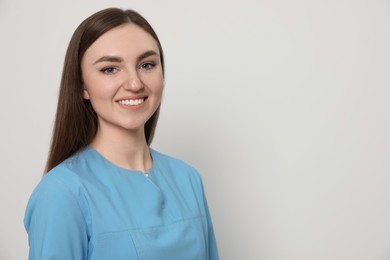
89 208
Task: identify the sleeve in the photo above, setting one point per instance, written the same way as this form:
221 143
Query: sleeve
55 224
212 242
212 249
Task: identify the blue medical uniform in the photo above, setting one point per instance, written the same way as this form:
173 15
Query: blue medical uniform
89 208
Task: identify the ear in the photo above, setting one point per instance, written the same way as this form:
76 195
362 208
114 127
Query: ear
85 93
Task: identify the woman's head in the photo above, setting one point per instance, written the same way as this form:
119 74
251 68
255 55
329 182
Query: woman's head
76 121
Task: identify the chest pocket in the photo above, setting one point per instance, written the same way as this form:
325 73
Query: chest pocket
114 246
184 239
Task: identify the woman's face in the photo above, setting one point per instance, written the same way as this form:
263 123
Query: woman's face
122 77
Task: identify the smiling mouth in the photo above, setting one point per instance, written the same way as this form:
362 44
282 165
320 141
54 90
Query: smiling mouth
132 102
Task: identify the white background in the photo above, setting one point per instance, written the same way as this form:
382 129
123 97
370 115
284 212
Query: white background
283 106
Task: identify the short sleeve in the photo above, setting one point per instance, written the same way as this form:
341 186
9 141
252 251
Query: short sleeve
212 250
212 245
54 222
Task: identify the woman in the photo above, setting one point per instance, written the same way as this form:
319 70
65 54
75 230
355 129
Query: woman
107 194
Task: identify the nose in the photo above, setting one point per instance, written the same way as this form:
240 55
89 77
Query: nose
133 83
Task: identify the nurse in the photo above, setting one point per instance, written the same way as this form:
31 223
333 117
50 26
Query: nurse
106 194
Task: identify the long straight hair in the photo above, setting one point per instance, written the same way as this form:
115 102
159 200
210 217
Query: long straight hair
76 122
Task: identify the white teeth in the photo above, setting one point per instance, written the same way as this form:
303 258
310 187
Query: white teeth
131 102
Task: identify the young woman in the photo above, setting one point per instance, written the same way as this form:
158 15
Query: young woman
107 194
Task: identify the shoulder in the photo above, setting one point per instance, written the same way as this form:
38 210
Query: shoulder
170 161
176 167
62 183
51 199
72 171
59 189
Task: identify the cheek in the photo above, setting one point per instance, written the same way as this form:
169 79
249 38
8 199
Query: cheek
158 84
101 88
159 88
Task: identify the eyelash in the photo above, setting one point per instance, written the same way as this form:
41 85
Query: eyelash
147 65
109 70
112 70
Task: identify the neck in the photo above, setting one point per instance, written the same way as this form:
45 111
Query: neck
126 149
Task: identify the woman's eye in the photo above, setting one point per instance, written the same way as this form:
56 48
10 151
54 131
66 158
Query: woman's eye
109 70
148 65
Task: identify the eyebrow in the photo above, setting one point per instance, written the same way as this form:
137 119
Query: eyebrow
119 59
146 54
109 59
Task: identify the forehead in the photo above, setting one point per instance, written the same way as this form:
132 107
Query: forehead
125 40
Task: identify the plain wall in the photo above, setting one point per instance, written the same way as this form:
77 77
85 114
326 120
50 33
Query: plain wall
283 106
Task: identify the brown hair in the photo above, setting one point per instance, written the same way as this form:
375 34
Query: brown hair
76 122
